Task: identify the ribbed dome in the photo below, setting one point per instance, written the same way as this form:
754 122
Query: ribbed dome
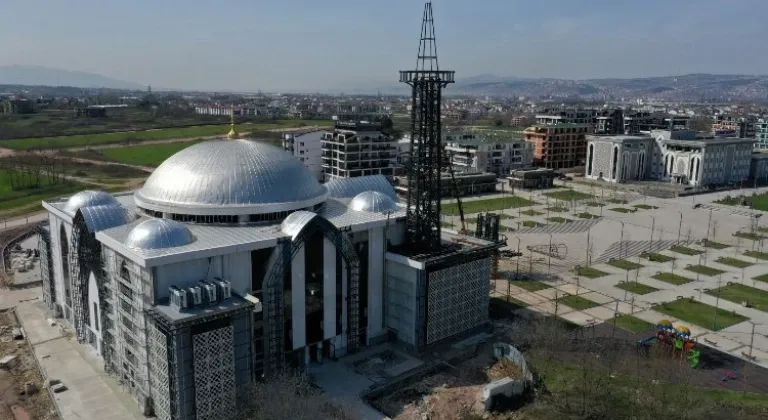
159 233
373 202
89 198
230 177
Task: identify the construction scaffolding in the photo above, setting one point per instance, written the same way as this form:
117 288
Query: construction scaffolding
274 323
46 266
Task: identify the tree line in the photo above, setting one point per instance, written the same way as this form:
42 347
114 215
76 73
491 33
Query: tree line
30 171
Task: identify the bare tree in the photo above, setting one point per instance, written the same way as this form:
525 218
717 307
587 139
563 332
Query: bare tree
288 396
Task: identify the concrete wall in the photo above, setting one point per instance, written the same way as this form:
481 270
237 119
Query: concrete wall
58 273
375 257
400 303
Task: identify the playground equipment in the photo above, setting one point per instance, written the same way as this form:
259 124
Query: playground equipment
678 339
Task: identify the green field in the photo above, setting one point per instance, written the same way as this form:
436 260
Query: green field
148 155
590 272
636 288
20 201
704 270
757 254
671 278
624 264
146 135
586 215
577 302
700 314
622 210
755 201
568 195
492 204
714 245
631 323
738 293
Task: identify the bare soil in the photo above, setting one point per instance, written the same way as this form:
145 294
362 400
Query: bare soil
453 393
14 403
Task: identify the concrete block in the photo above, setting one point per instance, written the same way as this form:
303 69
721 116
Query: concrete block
507 387
8 362
58 388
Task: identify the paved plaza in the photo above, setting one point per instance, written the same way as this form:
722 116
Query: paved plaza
646 225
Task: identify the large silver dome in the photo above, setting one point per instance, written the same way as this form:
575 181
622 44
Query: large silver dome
89 198
373 202
158 233
230 177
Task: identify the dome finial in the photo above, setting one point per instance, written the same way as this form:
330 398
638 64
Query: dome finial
232 132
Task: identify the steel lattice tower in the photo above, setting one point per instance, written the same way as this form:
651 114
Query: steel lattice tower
427 82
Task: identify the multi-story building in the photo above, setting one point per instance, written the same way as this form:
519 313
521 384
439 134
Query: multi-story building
730 126
558 146
470 152
610 122
636 122
233 262
675 156
570 116
761 133
307 148
358 148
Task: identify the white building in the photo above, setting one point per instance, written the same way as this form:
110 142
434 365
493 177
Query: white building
358 148
471 152
675 156
306 146
232 261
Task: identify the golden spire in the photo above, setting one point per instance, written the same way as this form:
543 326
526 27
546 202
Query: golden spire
232 132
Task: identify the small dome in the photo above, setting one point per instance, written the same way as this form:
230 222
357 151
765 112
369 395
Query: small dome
373 202
98 218
89 198
230 177
159 233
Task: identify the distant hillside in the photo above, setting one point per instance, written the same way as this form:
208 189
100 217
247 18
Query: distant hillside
45 76
685 87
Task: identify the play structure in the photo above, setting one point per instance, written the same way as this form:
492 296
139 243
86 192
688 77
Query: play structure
678 339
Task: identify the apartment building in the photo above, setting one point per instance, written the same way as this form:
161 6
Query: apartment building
568 116
471 152
636 122
732 126
357 148
761 133
558 146
610 122
306 146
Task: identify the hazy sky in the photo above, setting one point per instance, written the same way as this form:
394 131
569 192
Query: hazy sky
322 44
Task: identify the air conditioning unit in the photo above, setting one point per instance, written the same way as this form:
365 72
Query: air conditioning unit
178 298
225 289
197 295
209 291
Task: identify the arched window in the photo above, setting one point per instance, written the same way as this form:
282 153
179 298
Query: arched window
591 156
615 162
640 166
64 244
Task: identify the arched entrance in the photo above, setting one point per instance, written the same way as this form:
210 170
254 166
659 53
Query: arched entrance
301 226
86 265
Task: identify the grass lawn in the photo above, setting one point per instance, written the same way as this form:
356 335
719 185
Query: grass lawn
738 293
622 210
704 270
685 250
644 207
558 219
559 209
590 272
531 212
446 225
530 285
616 201
624 264
25 200
595 204
631 323
762 277
671 278
750 235
586 215
577 302
757 254
733 262
154 134
656 257
148 155
568 195
714 245
759 201
492 204
530 224
700 314
636 288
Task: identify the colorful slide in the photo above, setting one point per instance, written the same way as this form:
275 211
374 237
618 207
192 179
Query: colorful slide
694 358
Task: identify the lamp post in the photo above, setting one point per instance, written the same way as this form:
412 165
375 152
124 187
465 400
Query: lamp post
680 228
517 267
653 226
549 258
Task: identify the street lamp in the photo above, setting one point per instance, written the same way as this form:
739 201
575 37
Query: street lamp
653 226
517 268
680 228
549 259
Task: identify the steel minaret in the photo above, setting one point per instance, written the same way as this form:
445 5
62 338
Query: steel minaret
427 82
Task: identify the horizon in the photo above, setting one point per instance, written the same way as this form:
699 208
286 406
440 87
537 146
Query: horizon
196 46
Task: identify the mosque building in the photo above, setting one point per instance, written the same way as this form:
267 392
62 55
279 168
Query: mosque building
232 261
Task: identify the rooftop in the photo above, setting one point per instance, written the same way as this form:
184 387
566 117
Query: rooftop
171 315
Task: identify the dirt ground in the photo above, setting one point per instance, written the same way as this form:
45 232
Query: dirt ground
15 404
451 394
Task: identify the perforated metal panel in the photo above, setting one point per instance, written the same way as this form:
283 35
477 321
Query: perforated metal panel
457 299
158 373
214 362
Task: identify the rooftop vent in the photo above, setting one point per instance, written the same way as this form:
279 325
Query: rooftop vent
178 298
209 292
225 288
197 295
